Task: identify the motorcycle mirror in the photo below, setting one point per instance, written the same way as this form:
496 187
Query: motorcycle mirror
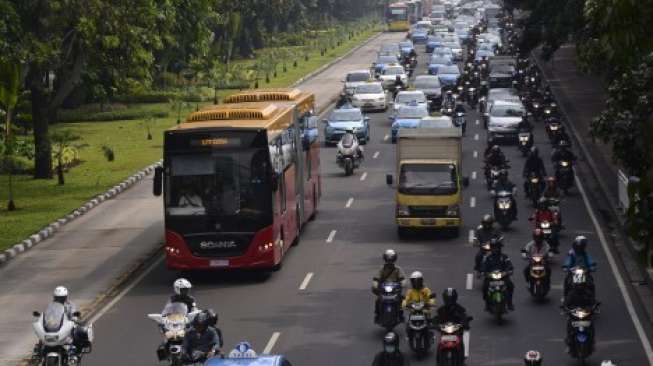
77 314
36 314
388 179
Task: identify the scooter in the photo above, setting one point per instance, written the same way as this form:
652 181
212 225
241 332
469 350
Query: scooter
504 208
497 294
534 188
525 142
581 332
460 121
565 175
418 329
390 305
539 283
451 348
61 341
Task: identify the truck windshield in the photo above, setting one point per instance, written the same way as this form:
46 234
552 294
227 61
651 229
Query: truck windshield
428 179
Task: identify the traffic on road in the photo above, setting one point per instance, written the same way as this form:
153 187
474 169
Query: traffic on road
418 220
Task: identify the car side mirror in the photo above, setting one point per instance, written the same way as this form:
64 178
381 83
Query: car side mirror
465 181
388 179
36 314
157 189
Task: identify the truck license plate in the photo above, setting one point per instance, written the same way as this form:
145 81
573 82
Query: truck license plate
219 263
428 221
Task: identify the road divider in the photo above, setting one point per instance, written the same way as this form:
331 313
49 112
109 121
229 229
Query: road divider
306 281
332 234
273 340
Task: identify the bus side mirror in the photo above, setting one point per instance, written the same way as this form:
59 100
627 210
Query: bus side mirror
158 181
388 179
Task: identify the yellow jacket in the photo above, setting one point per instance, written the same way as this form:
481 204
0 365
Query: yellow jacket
423 295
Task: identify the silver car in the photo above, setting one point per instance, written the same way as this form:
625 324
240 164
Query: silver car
504 119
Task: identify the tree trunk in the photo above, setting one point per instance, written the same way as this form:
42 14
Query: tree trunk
41 120
60 172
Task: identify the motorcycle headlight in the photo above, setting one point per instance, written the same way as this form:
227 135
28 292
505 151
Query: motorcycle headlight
504 205
388 289
402 210
564 163
523 138
536 105
545 225
535 180
453 211
472 89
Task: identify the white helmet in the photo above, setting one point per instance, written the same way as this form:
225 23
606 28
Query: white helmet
416 275
180 284
60 291
607 363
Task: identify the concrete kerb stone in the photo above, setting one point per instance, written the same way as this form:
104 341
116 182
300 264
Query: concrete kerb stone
52 228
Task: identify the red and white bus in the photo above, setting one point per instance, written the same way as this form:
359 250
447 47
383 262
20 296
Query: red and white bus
239 180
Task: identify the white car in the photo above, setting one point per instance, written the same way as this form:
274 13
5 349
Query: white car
354 79
410 97
389 75
369 96
456 50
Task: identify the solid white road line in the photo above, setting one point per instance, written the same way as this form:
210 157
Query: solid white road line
363 176
331 235
307 279
472 202
476 137
466 342
478 122
386 137
474 175
349 202
271 343
471 236
376 155
646 344
475 154
124 292
469 284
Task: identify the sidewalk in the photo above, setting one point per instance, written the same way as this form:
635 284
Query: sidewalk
581 98
98 251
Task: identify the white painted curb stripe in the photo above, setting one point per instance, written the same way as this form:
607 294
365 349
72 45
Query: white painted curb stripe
471 236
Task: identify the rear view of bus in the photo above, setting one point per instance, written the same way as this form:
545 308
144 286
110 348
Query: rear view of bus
397 17
228 182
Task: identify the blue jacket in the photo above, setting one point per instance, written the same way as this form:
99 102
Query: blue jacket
584 260
494 262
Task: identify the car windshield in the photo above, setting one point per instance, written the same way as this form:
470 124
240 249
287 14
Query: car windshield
369 89
409 97
412 112
427 83
386 59
340 115
448 70
428 179
507 111
357 77
393 71
440 60
175 308
504 69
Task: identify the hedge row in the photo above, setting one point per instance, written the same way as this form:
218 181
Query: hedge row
75 116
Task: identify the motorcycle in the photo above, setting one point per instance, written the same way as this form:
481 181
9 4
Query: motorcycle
538 281
390 305
448 106
496 296
349 156
504 208
491 175
61 341
472 96
173 321
418 331
451 348
534 188
552 129
580 331
564 175
525 142
550 110
460 121
551 234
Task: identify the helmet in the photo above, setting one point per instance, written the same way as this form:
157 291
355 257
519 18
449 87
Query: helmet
607 363
535 152
417 280
449 92
495 244
579 244
487 221
201 320
182 286
496 148
391 342
398 78
551 181
538 235
390 256
450 296
533 358
60 294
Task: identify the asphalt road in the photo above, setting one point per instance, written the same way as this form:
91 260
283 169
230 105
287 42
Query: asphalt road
330 321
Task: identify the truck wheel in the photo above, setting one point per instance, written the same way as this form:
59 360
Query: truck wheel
402 232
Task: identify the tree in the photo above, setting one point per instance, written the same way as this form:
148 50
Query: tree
59 40
64 150
9 87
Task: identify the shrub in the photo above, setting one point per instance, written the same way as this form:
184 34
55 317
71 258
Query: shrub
80 116
108 152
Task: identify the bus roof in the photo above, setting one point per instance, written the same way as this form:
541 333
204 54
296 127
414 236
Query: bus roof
284 96
268 116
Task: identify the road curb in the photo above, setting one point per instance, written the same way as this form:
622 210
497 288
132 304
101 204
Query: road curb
52 228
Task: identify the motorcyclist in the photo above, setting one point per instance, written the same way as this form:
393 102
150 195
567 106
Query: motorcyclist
533 358
497 261
543 212
578 257
534 164
449 99
451 311
562 152
201 342
388 273
349 140
419 293
61 296
504 184
537 247
560 135
484 233
495 157
391 355
551 191
398 85
182 294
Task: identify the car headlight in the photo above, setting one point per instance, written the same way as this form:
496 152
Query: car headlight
402 210
453 211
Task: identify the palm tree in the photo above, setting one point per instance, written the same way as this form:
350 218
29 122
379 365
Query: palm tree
9 86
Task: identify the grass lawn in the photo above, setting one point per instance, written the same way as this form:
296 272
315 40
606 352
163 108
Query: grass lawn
41 202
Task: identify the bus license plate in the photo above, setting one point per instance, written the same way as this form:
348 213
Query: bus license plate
219 263
428 221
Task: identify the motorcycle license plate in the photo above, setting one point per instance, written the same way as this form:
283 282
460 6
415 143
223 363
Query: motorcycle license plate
581 323
546 231
219 263
581 337
51 338
449 338
428 221
496 283
417 317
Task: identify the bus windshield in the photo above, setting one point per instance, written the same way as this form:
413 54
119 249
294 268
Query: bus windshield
398 13
230 187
